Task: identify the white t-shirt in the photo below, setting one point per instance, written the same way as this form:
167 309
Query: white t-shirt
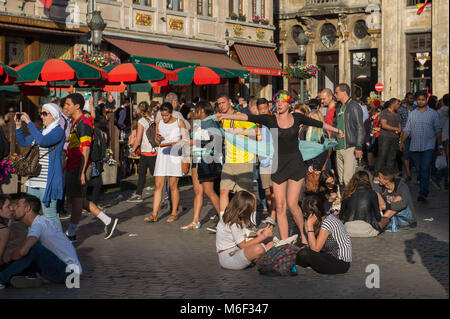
146 146
54 240
228 236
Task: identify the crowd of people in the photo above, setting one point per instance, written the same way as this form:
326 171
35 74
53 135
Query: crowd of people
362 183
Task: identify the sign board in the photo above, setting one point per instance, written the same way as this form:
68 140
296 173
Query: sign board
379 87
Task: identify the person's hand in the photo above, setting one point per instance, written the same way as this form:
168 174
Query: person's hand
82 179
133 153
438 151
358 154
311 221
310 169
219 117
265 232
341 134
401 146
25 118
159 137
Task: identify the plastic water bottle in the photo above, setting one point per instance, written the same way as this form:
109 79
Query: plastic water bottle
394 225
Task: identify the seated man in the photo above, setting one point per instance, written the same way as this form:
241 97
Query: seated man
46 250
398 200
5 212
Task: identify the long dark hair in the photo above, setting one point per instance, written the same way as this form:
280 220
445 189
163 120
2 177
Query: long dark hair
359 179
314 204
323 187
240 209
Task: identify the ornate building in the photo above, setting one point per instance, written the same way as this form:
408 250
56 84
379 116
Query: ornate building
362 42
233 34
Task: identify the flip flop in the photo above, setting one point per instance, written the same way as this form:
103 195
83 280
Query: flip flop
151 219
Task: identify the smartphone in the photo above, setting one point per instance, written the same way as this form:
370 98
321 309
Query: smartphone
18 116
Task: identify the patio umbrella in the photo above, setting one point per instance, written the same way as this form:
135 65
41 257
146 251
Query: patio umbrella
7 74
133 72
52 70
201 75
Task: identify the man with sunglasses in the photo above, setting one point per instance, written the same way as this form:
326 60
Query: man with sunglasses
78 170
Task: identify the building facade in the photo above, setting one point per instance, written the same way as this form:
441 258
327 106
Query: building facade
233 34
362 42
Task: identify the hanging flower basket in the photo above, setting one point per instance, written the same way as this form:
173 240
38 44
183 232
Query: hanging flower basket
98 58
8 179
301 71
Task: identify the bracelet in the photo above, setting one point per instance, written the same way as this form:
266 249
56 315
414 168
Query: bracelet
310 231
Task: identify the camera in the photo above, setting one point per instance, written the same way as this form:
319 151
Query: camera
18 116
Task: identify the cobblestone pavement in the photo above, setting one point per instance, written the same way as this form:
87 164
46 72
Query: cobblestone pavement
161 261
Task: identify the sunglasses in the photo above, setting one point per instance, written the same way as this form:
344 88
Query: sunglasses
43 113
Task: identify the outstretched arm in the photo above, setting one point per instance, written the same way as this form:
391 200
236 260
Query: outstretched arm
235 117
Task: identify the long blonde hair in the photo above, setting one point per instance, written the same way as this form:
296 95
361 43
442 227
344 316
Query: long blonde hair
316 115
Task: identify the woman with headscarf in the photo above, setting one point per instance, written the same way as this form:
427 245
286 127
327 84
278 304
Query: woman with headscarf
48 184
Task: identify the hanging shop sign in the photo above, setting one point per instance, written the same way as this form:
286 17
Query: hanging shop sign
422 58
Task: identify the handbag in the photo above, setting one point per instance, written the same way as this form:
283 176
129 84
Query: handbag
312 178
29 165
279 261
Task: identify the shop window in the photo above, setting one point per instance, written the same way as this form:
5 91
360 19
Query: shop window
419 62
175 5
147 3
49 50
201 10
15 49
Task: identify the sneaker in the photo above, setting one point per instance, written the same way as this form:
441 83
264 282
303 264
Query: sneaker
214 218
135 199
212 229
268 221
289 240
26 282
73 239
63 215
109 229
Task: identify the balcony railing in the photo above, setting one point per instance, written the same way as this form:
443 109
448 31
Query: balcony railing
323 2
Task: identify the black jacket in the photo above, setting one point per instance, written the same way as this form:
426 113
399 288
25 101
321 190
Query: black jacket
354 126
362 205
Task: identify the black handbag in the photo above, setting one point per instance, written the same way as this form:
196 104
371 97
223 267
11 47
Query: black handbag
209 171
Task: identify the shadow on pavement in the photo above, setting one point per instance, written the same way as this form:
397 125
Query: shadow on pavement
434 255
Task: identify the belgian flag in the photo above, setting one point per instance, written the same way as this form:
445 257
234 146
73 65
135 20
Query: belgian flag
422 6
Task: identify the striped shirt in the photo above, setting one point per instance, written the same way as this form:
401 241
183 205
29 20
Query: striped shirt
423 127
338 242
40 181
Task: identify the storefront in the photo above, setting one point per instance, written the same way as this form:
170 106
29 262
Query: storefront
263 66
173 58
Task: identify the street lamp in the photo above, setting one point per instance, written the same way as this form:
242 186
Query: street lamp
301 40
96 25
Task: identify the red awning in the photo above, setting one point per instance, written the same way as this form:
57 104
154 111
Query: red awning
258 60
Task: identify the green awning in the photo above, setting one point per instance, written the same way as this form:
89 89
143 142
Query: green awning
9 89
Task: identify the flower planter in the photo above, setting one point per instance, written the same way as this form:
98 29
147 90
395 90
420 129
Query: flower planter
109 174
10 185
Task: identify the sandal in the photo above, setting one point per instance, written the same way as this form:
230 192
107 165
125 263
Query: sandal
172 218
151 219
193 225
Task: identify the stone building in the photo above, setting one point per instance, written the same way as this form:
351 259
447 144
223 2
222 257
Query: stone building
362 42
169 33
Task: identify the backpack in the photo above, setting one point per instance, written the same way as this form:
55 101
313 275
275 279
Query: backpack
279 261
99 146
4 145
151 133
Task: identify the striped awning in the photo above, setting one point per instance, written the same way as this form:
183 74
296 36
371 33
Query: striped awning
150 53
258 60
38 29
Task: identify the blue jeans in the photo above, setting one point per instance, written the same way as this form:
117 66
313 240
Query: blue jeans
402 218
38 260
422 162
49 212
261 192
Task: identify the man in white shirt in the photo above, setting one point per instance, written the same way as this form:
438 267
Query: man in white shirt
46 250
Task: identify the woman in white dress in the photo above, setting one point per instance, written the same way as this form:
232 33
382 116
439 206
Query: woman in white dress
170 132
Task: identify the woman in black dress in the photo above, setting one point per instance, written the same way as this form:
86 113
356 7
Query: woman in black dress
288 168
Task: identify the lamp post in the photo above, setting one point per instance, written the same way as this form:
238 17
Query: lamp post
301 40
96 25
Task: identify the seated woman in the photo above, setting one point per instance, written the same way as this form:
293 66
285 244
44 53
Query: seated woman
234 252
5 212
330 249
329 188
360 210
397 197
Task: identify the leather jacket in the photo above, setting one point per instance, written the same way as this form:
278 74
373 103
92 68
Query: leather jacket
354 126
362 205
